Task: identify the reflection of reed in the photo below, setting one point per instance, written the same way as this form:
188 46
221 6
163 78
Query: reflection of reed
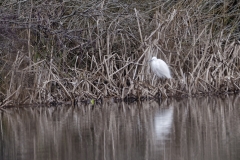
206 128
203 128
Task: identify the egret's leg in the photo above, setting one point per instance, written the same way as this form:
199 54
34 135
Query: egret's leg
153 78
159 88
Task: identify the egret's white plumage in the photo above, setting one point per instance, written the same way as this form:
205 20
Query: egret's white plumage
160 68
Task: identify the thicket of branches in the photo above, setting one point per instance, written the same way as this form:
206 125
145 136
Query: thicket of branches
54 52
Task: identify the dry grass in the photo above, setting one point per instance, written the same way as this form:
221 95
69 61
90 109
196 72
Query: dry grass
57 52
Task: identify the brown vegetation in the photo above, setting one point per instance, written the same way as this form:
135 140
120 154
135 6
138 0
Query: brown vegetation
53 52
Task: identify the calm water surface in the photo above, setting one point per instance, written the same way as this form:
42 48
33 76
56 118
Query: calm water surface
187 129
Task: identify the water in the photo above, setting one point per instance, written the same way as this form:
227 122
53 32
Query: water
200 128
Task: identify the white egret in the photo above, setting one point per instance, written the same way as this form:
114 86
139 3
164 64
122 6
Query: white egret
160 68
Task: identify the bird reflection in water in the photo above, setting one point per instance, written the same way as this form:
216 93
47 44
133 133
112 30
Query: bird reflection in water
163 123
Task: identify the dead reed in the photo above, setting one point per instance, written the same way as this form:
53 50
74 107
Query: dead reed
57 52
